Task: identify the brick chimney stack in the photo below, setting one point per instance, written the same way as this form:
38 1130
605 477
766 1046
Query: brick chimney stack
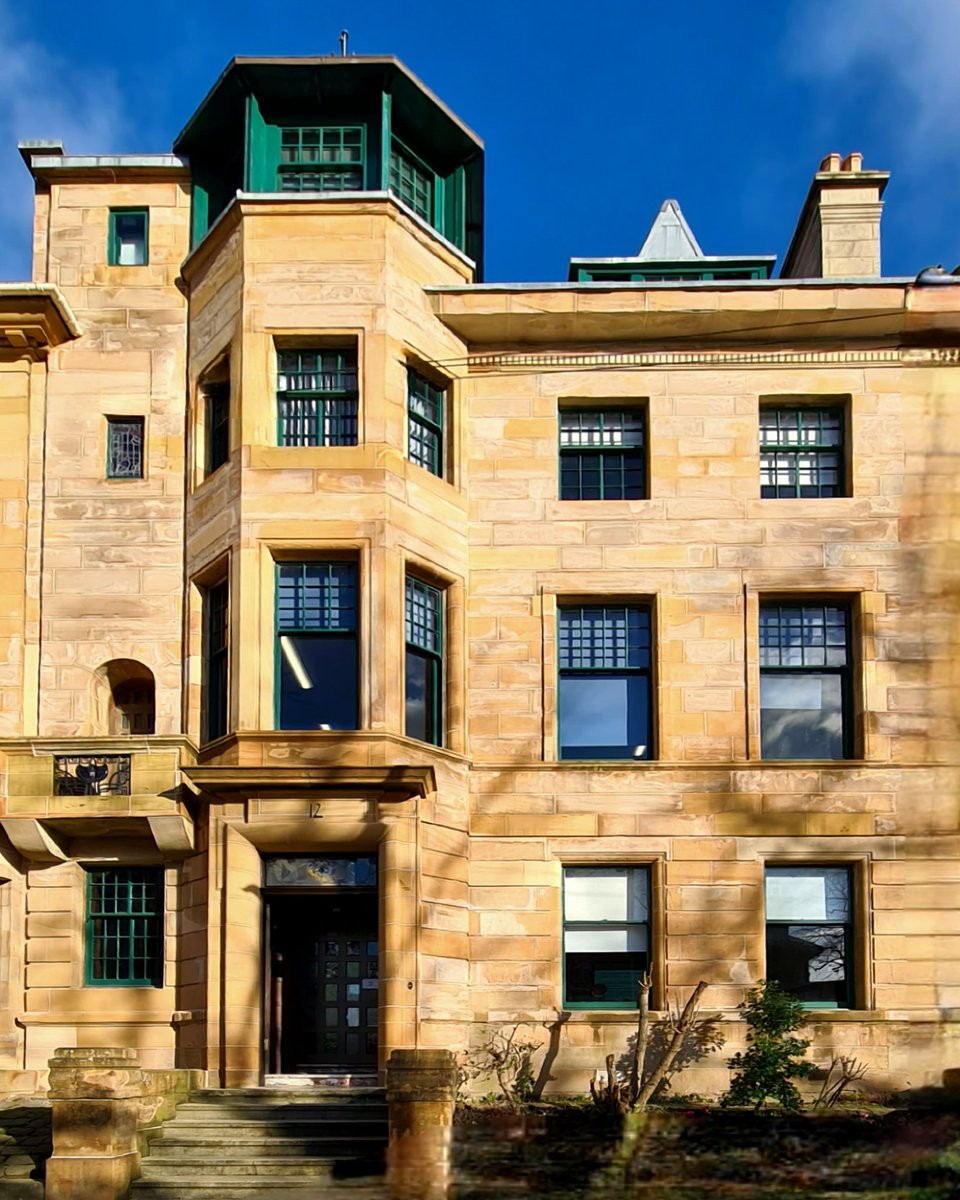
838 234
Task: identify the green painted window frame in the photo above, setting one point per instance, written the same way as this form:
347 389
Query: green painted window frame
414 182
807 440
321 408
426 411
323 156
814 654
680 274
423 623
613 641
849 930
123 933
618 439
115 242
216 661
126 445
316 599
602 925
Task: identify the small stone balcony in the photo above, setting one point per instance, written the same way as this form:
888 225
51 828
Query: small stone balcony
55 797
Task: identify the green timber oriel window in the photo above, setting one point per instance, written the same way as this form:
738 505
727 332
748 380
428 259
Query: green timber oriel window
809 928
604 658
606 935
602 454
412 181
805 681
215 661
801 452
425 419
128 237
317 397
316 661
125 447
324 158
124 927
424 662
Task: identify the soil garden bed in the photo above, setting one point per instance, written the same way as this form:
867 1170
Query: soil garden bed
706 1153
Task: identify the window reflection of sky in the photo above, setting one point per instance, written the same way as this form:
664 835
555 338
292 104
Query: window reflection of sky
593 712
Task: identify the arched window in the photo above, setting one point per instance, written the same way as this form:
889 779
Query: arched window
132 697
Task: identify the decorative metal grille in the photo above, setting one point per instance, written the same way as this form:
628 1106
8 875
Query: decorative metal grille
801 452
91 774
317 397
125 448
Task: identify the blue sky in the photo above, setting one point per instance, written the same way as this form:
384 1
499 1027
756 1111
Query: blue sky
591 114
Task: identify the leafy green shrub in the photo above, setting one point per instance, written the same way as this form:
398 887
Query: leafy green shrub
773 1058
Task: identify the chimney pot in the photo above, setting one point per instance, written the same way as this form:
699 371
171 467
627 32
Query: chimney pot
831 162
853 162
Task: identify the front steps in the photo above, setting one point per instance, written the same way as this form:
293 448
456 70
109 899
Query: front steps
271 1144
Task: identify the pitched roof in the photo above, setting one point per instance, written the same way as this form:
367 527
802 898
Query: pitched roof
670 238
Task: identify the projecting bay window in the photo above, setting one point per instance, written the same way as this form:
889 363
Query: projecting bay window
810 933
215 661
424 662
316 661
124 927
326 158
317 397
425 420
805 681
606 935
602 454
604 656
801 452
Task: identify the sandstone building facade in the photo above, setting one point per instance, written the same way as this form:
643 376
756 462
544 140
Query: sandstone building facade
389 656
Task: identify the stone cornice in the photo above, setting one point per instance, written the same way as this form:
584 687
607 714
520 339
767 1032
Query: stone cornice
34 319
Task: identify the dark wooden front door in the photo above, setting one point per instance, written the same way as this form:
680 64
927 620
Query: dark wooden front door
325 984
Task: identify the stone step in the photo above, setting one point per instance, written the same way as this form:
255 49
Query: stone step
278 1114
244 1187
298 1095
326 1167
262 1143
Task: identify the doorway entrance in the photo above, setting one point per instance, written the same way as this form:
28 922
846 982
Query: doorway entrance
323 977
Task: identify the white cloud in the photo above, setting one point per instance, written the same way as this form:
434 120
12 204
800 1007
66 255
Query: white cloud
43 95
912 45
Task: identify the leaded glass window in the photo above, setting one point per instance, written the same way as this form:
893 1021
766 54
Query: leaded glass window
801 451
809 933
317 645
805 681
606 935
602 454
124 933
124 447
425 419
326 158
604 658
317 397
412 182
424 662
